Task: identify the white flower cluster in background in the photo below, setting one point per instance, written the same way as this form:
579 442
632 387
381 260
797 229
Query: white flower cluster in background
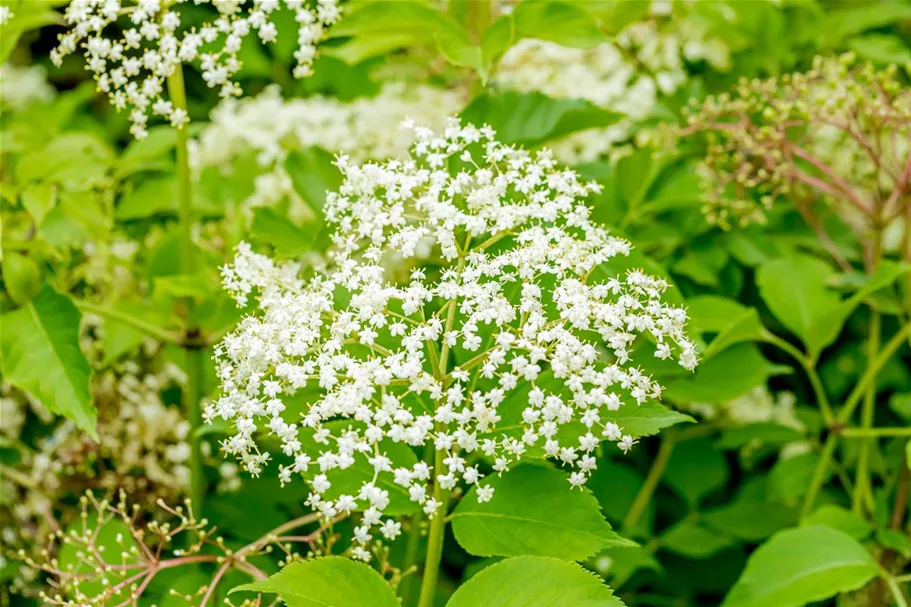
756 406
364 128
22 86
133 69
519 342
5 15
626 76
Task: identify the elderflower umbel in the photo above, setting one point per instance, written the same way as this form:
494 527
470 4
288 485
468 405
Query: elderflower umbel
519 343
132 70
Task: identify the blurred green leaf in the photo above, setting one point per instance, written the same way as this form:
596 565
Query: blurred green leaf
21 277
534 118
695 470
836 517
287 239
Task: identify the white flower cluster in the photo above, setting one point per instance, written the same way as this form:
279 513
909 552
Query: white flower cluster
516 344
22 86
269 126
624 76
5 15
132 70
756 406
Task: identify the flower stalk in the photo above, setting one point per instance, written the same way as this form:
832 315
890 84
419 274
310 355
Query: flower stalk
192 394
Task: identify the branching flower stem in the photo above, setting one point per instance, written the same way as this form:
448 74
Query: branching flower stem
438 522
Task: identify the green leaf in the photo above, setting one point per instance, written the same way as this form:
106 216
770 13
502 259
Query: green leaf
286 238
313 174
824 329
120 339
363 48
159 196
41 354
378 27
646 419
26 16
840 24
894 539
714 382
881 48
559 22
331 581
615 485
536 512
768 433
794 289
732 322
565 23
802 565
696 469
79 216
152 152
533 118
534 581
497 40
615 15
694 540
790 478
836 517
151 197
38 199
21 277
751 521
74 158
618 565
900 403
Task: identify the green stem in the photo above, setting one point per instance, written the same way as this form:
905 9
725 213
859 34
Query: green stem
434 539
193 392
819 474
18 477
411 558
194 413
148 328
438 522
862 482
644 496
815 382
875 432
178 96
872 370
896 590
